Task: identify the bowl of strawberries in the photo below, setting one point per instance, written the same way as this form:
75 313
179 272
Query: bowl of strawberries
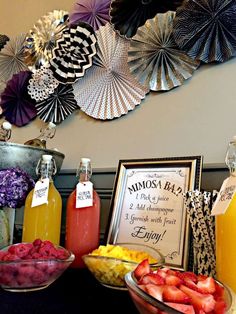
169 291
32 266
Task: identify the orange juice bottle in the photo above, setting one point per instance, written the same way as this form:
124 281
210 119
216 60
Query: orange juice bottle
226 231
43 221
82 219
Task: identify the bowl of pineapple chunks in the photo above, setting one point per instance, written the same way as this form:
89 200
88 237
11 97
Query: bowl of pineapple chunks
110 263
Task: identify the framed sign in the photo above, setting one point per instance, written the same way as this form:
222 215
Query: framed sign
147 205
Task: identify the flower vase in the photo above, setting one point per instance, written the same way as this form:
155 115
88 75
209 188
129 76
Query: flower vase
10 214
4 229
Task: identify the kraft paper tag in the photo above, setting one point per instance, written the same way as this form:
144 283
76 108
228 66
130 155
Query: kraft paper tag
225 196
40 195
84 194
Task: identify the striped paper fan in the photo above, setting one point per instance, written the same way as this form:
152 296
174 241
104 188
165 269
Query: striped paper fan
206 30
73 53
12 58
108 90
154 57
128 15
58 106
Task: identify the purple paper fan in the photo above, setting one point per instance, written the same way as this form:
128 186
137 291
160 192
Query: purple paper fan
58 106
93 12
18 108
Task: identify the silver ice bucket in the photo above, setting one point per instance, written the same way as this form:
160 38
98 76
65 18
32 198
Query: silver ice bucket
26 157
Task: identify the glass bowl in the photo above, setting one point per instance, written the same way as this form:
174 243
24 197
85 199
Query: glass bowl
23 275
110 271
146 304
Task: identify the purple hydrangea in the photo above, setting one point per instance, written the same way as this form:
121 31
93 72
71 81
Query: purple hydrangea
15 184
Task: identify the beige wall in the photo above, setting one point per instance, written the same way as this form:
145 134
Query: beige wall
197 118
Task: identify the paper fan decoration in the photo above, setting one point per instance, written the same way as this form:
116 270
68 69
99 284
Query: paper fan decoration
41 39
3 40
93 12
206 29
127 15
73 53
58 106
108 90
155 59
12 58
18 108
42 84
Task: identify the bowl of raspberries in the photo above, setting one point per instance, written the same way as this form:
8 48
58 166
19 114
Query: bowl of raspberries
32 266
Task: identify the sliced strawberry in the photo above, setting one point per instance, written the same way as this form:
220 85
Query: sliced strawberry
166 269
189 283
204 302
172 272
207 285
173 294
172 280
184 308
201 277
151 278
220 307
187 275
142 269
219 292
161 273
155 291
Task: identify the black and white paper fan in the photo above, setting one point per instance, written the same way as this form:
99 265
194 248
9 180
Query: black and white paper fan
155 59
58 106
206 29
128 15
108 90
73 53
41 39
12 58
3 40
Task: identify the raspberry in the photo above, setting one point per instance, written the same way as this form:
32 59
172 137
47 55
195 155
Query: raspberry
38 277
21 249
26 270
10 257
22 280
37 242
2 254
62 254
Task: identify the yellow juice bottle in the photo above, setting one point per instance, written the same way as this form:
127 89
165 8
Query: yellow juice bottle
43 221
226 231
226 246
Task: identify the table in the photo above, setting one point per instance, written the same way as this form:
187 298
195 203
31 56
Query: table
76 291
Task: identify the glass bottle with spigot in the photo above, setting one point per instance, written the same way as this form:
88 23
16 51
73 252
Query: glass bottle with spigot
45 134
43 206
226 224
5 131
83 216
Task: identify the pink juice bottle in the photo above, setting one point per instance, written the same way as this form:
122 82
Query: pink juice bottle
82 220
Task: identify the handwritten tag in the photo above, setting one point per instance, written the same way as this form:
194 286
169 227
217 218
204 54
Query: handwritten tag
225 196
40 195
84 194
